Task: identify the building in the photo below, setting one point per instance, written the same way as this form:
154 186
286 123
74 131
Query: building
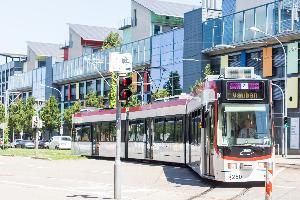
85 40
149 18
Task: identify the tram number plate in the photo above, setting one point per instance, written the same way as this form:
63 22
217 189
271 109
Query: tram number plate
235 176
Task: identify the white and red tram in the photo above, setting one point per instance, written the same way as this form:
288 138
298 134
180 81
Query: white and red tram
223 134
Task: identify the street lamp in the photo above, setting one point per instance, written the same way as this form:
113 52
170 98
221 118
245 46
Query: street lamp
255 29
61 97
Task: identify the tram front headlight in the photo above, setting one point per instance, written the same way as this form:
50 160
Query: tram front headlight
232 165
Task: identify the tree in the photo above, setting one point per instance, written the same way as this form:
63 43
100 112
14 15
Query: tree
16 116
50 115
161 93
68 113
199 84
173 85
112 40
2 113
28 113
113 91
133 101
92 100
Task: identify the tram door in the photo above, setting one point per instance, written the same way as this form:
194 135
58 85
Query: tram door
149 127
209 140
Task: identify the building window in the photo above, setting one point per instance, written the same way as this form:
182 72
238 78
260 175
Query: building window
41 63
156 29
66 93
73 92
89 87
81 91
98 87
134 21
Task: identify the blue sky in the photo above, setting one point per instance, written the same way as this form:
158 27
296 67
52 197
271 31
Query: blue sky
45 20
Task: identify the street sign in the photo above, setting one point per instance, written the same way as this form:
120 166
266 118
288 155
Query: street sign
121 63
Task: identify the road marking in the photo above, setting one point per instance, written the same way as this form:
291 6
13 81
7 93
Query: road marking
287 187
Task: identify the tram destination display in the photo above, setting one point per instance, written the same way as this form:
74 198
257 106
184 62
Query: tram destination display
241 90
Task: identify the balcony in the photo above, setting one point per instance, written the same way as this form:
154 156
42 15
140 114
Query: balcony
126 23
277 18
87 66
20 82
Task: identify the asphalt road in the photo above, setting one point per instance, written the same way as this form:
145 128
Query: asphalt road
31 179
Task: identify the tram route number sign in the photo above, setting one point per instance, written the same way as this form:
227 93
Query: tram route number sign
238 90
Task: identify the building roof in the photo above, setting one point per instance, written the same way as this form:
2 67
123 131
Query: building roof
95 33
167 8
45 49
13 55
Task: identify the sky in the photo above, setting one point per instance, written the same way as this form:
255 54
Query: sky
46 20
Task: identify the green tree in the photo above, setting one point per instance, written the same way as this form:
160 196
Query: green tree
133 101
92 100
112 40
113 91
173 85
199 84
28 113
2 113
16 116
50 115
161 93
68 113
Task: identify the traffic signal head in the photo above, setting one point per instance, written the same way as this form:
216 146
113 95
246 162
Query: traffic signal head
285 121
124 90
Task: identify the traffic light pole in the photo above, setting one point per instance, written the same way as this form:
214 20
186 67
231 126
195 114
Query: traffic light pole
117 171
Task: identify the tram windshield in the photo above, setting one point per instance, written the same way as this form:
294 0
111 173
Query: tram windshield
244 124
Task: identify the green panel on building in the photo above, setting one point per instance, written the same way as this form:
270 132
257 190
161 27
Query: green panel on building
166 20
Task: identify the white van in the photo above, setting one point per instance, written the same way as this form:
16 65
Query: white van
60 142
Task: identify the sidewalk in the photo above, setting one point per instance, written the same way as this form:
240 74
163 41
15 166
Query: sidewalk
290 160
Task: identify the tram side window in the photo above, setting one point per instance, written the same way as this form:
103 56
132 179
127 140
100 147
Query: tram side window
108 132
97 132
159 129
178 129
132 131
140 130
169 135
84 134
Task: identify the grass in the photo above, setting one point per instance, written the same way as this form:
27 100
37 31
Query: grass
42 153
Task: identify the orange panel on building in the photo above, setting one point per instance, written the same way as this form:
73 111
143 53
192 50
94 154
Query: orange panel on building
267 62
134 82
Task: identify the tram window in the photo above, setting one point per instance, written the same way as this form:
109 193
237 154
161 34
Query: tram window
178 129
169 135
97 132
108 132
132 131
84 135
247 124
159 129
140 130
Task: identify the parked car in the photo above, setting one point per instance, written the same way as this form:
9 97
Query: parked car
60 142
44 144
16 143
28 144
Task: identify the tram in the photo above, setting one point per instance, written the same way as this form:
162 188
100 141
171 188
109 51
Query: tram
224 133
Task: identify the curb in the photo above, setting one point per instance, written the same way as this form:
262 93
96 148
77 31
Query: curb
40 158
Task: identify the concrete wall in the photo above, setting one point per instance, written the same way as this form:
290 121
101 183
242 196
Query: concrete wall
144 26
76 48
246 4
31 60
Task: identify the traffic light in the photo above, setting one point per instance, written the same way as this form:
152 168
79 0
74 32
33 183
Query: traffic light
124 90
285 121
